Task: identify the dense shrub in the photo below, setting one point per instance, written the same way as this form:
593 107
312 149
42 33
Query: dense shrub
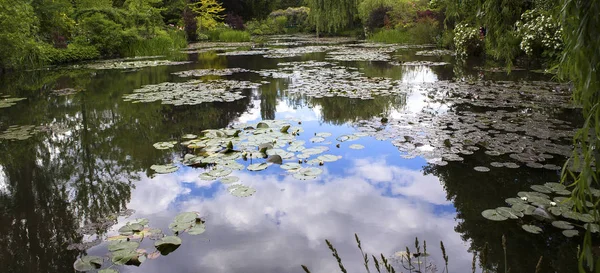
105 34
425 31
234 36
73 53
163 43
234 21
392 36
540 33
467 40
377 18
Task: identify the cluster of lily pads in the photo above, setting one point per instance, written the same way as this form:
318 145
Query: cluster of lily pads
132 64
419 63
323 79
66 91
210 72
19 132
435 52
6 101
192 92
267 143
125 248
378 53
515 137
548 203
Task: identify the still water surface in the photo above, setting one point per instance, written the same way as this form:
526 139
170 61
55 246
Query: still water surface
95 162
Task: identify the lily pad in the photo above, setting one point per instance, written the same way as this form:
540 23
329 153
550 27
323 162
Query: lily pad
229 179
87 263
570 233
509 213
291 166
183 221
258 167
329 158
308 173
108 270
317 139
482 169
492 214
241 191
323 135
167 244
356 147
562 224
542 189
219 173
164 169
130 229
532 229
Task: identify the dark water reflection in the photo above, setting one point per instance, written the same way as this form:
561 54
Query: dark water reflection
95 163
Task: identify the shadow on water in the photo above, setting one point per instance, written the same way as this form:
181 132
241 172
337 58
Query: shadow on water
92 162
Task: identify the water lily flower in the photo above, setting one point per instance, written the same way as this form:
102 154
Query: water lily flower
524 198
553 204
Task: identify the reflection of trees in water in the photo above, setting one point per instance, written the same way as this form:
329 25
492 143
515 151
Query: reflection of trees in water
472 192
340 110
57 180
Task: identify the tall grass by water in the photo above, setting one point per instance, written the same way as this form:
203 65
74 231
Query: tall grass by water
234 36
162 44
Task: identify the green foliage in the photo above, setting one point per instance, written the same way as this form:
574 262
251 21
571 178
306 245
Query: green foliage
540 32
105 34
164 43
17 44
234 36
73 53
424 31
332 15
580 63
392 36
467 40
208 13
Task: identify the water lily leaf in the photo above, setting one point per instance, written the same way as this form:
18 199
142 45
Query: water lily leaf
542 189
513 201
285 129
308 173
584 217
329 158
230 179
262 125
183 221
197 229
532 229
555 186
303 156
356 147
296 148
492 214
241 191
87 263
312 151
219 172
164 145
126 256
509 213
258 167
570 233
189 136
291 166
130 229
593 228
108 270
562 224
344 138
482 169
317 139
323 135
122 245
275 159
167 244
164 169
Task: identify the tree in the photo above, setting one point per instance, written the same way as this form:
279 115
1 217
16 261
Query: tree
332 15
208 12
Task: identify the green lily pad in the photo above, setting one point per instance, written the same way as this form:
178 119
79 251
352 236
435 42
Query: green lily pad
189 136
492 214
356 147
593 228
312 151
262 125
183 221
542 189
230 180
164 145
197 229
164 169
130 229
317 139
87 263
219 173
532 229
114 246
555 186
562 225
258 167
481 169
570 233
291 166
509 213
329 158
308 173
167 244
275 159
108 270
241 191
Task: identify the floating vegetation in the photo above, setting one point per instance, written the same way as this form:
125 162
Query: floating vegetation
66 91
164 169
527 136
6 101
241 191
420 63
435 52
243 53
125 248
17 132
205 45
132 64
192 92
296 51
356 147
375 53
212 72
164 145
323 79
542 206
482 169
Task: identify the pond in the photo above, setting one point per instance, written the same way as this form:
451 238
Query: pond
388 142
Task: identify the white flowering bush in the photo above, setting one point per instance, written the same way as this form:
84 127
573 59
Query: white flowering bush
466 40
540 33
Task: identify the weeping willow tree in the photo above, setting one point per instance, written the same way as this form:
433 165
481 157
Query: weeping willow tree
581 64
332 15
